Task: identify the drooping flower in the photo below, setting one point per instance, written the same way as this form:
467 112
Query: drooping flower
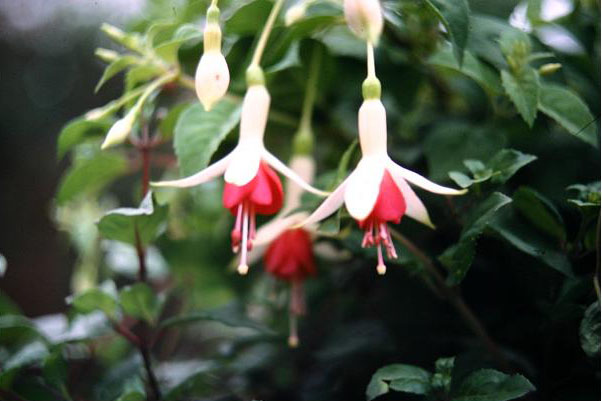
377 191
212 76
288 253
364 18
252 187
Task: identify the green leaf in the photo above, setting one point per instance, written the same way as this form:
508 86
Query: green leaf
506 163
442 379
55 369
79 130
491 385
132 396
230 315
523 90
398 377
290 59
589 330
95 299
198 133
587 195
115 68
140 301
168 124
451 143
247 18
454 15
29 354
569 111
526 239
139 74
482 74
17 328
539 211
458 258
125 224
90 175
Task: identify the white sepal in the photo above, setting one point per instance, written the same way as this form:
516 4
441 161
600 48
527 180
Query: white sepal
212 78
422 182
364 186
415 209
290 174
207 174
329 206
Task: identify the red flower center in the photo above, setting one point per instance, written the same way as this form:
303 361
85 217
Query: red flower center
390 206
262 195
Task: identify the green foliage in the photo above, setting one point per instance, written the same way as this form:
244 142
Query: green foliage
521 244
482 385
134 225
140 301
198 133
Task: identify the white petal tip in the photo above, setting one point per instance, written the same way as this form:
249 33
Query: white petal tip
381 269
243 269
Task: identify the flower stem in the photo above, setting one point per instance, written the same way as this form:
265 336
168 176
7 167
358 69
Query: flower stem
455 298
263 39
310 90
370 60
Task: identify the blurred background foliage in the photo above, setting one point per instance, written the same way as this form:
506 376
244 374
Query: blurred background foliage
475 97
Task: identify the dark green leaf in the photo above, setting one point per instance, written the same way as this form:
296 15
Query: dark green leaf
569 111
95 299
471 67
458 258
506 163
55 369
115 68
525 238
454 15
125 224
16 328
198 133
539 211
589 330
491 385
29 354
523 90
140 301
290 59
230 315
90 175
168 124
398 377
132 396
79 130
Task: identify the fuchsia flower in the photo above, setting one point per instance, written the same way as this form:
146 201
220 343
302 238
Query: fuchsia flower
377 191
252 187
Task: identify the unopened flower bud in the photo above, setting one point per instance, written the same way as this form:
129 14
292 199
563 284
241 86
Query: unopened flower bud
549 68
106 55
295 13
119 131
212 75
364 18
212 78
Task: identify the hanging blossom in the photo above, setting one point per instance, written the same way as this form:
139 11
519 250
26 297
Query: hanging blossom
252 187
288 253
212 75
377 192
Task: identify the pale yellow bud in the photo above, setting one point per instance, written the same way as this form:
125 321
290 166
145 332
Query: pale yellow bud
120 131
212 78
364 18
295 13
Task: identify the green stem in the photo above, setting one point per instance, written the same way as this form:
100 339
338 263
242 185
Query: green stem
263 39
310 91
